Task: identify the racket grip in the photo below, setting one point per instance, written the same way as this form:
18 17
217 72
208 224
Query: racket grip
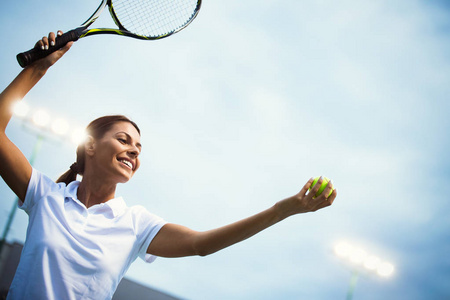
32 55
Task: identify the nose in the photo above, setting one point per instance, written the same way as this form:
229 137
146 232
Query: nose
133 151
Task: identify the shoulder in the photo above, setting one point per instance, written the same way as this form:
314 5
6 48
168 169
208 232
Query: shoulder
138 210
39 178
46 185
140 213
143 219
41 185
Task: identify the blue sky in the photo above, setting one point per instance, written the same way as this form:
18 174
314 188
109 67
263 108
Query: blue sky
242 108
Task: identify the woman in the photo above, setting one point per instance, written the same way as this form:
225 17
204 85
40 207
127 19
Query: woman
81 238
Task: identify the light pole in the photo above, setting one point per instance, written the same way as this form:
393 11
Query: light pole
352 284
43 129
361 262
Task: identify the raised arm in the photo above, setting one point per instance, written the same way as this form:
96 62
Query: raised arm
177 241
14 167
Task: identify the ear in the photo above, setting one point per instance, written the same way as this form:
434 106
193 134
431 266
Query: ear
89 146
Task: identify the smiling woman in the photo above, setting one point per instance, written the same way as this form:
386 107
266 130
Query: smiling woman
81 238
96 131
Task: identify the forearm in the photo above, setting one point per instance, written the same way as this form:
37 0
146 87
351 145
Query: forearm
214 240
15 169
176 241
29 76
17 90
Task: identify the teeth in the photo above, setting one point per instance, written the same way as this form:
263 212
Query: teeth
127 163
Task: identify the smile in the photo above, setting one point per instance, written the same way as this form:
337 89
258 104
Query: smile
126 163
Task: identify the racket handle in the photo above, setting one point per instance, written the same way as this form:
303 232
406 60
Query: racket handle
30 56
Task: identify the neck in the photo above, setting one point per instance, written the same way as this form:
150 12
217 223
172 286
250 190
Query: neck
92 192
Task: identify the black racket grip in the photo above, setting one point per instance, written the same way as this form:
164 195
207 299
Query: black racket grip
30 56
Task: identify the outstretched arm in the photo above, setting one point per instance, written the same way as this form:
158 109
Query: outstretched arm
177 241
14 167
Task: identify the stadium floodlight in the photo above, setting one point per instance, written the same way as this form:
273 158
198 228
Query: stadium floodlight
78 136
60 126
21 109
343 249
358 256
41 118
361 261
385 269
372 262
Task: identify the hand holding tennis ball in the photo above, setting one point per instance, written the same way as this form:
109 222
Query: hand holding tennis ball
322 186
304 201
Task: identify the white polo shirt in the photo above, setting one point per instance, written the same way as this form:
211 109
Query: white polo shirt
72 252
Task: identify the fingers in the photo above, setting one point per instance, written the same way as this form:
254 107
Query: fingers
328 189
51 38
332 196
305 188
326 198
41 43
54 49
48 41
305 201
316 187
66 47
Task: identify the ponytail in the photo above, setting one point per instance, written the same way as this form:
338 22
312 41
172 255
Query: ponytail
75 169
68 176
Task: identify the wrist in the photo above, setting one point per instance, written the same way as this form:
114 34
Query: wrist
40 67
37 70
282 210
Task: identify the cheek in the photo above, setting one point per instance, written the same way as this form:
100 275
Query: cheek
138 164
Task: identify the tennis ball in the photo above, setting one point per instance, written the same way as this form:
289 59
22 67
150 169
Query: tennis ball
322 187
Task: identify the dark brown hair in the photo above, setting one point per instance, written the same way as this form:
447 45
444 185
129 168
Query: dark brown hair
97 130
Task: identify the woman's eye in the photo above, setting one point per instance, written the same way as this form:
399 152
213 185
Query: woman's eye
122 141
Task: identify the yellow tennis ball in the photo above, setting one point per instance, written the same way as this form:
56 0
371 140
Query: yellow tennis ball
322 187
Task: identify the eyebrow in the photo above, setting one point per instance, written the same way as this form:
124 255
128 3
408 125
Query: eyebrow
139 145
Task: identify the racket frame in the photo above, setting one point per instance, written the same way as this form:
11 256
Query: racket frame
121 30
82 31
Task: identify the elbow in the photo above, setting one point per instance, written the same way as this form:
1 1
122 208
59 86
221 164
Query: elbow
202 247
203 253
202 250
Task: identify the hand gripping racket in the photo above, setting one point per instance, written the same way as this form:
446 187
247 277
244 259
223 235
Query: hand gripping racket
140 19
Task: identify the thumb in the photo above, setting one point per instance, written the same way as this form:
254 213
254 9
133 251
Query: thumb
55 56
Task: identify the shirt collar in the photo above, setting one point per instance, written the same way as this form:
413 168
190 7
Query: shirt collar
71 190
117 205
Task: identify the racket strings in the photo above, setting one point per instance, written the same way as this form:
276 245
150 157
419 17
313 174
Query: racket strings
154 18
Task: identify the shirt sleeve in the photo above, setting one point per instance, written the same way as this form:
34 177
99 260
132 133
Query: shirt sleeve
38 186
147 226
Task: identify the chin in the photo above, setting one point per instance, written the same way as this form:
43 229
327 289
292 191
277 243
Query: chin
125 175
126 179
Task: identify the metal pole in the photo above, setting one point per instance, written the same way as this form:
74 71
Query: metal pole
36 148
352 285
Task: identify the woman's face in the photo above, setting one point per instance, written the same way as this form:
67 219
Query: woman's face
117 152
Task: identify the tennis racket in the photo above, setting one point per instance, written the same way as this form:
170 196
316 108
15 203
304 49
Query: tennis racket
140 19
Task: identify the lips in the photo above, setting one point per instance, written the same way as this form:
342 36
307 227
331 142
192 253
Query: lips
128 163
